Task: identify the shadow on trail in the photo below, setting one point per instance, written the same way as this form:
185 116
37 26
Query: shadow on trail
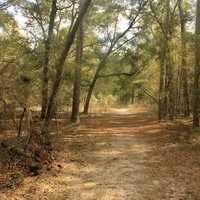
117 156
108 157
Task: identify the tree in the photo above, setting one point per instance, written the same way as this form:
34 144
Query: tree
166 106
60 64
6 3
45 17
47 42
169 78
196 91
184 94
39 143
77 75
113 39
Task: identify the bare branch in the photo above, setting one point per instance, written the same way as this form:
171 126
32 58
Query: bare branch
150 95
155 16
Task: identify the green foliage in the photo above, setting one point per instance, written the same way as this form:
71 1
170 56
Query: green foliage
21 55
196 131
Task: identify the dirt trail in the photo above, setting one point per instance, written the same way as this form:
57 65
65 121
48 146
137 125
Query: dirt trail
120 156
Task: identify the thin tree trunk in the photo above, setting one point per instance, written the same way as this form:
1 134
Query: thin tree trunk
20 122
28 125
89 96
133 95
179 103
169 78
39 144
103 61
48 41
164 106
93 83
77 80
161 108
60 66
197 70
184 77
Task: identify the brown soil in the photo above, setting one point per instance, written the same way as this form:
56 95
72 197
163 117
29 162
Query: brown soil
124 155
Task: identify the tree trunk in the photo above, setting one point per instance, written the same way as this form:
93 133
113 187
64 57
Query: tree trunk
184 94
110 50
133 95
89 95
165 67
21 122
93 83
161 108
77 79
169 101
39 143
60 65
197 70
48 41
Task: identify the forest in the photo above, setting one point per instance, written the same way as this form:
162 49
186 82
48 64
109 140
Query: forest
99 100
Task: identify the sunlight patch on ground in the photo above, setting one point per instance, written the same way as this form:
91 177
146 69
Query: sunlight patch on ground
104 153
114 157
110 194
121 111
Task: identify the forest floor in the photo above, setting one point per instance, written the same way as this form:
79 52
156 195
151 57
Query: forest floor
123 155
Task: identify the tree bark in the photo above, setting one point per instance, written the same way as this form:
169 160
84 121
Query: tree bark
197 70
169 93
39 144
60 66
161 108
93 83
184 94
133 95
48 41
77 77
102 63
20 122
165 66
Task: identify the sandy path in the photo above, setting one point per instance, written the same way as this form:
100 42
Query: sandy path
111 157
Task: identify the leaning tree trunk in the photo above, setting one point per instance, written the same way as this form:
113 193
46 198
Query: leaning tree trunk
48 41
40 139
197 70
110 50
89 95
77 80
60 65
93 83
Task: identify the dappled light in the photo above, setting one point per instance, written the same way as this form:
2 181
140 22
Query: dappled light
99 100
117 161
